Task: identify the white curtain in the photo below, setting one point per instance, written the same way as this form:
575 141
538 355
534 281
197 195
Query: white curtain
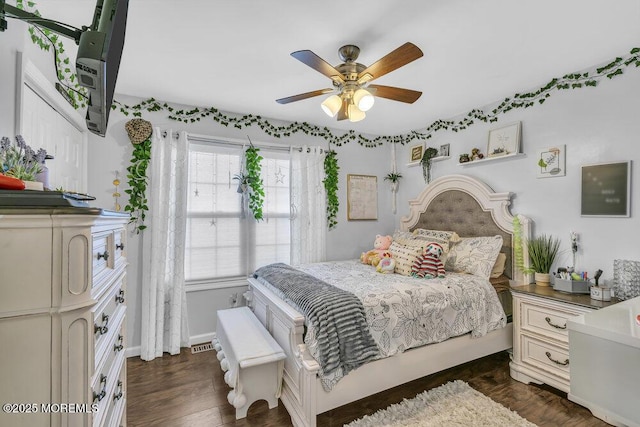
164 301
308 206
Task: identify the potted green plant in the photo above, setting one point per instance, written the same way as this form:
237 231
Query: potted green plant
394 178
429 154
542 253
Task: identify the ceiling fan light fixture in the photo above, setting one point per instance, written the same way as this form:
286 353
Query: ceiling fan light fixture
363 99
355 114
331 105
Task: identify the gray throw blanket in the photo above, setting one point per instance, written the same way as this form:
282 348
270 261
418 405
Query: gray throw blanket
337 316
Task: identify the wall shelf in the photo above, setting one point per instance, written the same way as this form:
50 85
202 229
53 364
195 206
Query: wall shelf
492 159
434 159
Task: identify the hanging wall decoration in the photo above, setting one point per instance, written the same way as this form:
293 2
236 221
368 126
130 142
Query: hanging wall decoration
551 162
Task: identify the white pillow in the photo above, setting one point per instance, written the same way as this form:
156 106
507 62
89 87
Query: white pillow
405 254
474 255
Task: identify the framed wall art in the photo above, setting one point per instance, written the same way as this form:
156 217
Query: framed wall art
606 190
444 150
415 153
362 197
551 162
504 141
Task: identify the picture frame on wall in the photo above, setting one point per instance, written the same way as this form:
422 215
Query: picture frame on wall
362 197
415 153
606 190
504 141
551 162
444 150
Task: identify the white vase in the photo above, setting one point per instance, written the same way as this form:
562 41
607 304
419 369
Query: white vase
33 185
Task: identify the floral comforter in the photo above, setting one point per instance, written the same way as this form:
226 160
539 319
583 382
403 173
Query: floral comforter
405 312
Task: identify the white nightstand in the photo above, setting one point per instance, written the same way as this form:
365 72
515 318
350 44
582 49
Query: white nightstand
540 336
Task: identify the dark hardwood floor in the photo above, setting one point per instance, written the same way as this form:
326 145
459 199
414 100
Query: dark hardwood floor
189 390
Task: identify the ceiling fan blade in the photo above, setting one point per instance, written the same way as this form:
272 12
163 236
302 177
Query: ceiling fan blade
342 114
314 61
403 55
302 96
395 93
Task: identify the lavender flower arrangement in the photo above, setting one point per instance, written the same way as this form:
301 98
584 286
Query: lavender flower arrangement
19 160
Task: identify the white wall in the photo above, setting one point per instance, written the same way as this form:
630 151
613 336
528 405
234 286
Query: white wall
597 125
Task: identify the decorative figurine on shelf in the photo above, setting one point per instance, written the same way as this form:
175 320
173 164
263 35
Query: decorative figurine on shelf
116 193
464 158
476 154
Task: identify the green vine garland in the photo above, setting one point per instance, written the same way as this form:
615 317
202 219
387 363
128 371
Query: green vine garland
588 78
256 193
330 182
137 176
45 39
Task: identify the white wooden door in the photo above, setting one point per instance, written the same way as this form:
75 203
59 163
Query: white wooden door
47 121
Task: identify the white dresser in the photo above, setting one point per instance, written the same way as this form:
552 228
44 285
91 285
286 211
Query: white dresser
62 317
540 335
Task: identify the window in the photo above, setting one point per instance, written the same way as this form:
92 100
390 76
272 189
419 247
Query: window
223 240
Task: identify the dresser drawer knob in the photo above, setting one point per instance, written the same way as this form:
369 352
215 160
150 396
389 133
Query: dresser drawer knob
118 345
117 396
554 325
120 246
120 296
102 329
104 255
103 392
557 362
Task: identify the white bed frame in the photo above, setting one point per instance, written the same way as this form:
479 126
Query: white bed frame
302 391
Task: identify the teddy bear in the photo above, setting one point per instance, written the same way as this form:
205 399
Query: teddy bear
380 245
476 154
387 264
428 265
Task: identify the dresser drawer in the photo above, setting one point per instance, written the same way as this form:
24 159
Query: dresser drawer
107 315
118 401
545 356
102 257
546 320
104 387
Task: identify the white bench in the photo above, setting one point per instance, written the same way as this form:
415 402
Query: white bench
251 358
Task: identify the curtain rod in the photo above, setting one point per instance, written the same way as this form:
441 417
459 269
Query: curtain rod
201 138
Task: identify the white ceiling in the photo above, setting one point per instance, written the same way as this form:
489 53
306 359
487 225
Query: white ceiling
235 55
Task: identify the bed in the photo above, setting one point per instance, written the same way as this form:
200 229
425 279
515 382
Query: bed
456 202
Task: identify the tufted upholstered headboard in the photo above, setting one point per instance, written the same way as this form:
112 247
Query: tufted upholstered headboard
471 208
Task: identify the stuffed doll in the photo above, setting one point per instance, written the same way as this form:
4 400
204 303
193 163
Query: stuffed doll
387 264
428 265
380 245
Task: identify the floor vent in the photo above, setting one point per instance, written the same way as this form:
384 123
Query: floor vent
201 347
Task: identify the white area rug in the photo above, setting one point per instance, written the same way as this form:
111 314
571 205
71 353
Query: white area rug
452 404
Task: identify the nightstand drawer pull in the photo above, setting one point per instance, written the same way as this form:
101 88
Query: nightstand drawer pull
554 325
120 246
104 255
557 362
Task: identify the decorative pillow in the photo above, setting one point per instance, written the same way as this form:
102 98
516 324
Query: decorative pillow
437 235
498 267
410 239
405 254
474 255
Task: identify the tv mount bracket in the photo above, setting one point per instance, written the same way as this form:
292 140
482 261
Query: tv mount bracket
6 10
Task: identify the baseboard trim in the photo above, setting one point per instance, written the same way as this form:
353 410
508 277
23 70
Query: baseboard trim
136 351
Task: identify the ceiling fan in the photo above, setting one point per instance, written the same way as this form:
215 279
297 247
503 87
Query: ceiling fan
351 81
